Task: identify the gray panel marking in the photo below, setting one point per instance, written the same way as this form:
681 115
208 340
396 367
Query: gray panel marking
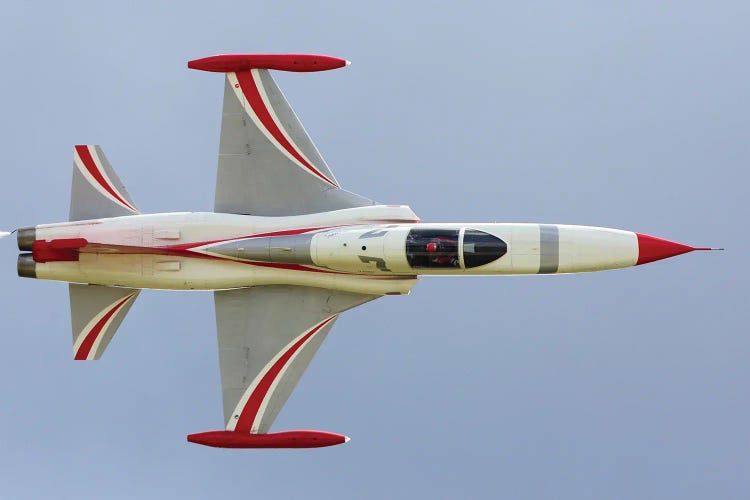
549 248
379 263
288 249
373 234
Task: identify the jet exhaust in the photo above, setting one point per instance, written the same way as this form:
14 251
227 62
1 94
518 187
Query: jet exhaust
26 266
26 238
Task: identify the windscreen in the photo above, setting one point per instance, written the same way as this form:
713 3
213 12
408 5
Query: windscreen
481 248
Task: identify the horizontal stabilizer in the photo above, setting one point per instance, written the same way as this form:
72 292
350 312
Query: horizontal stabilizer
96 191
95 313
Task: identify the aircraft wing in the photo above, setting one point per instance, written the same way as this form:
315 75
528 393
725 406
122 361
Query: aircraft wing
267 163
267 337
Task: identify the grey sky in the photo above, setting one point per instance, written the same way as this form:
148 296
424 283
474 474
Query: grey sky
624 384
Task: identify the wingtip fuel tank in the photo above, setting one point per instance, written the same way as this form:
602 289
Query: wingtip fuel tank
300 63
287 439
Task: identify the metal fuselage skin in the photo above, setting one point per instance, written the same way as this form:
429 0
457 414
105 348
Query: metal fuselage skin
375 250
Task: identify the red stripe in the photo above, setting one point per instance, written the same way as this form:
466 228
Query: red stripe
252 94
289 267
190 246
127 250
90 165
395 221
287 232
250 411
88 343
187 250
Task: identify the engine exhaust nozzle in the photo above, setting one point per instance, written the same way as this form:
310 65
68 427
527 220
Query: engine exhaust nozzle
26 237
26 266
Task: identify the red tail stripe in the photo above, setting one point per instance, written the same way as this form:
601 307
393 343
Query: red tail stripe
90 164
88 342
252 94
250 411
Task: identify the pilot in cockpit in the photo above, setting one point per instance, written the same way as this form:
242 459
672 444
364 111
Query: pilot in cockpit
441 253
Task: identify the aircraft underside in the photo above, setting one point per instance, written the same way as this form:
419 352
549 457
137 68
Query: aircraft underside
339 250
281 276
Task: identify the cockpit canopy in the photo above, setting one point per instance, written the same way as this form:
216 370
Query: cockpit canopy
432 248
452 248
480 248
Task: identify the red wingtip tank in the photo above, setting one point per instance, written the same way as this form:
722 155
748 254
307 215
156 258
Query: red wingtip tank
288 439
303 63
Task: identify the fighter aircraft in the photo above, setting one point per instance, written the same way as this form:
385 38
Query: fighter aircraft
286 250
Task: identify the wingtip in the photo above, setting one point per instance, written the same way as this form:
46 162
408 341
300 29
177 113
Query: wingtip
347 62
231 63
285 439
347 439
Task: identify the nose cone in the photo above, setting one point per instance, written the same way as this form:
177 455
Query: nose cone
651 248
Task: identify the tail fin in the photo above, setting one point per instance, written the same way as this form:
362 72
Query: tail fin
96 191
95 313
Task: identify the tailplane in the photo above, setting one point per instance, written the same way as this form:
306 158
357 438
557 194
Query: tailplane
95 313
96 191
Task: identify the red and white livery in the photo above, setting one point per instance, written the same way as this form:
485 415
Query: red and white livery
285 251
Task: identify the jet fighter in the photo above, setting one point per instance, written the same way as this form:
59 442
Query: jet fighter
285 252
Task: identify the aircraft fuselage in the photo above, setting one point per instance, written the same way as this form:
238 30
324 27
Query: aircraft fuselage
376 250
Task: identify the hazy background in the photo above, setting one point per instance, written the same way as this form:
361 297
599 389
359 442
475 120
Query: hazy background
624 384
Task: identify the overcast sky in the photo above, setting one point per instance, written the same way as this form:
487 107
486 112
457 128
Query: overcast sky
622 384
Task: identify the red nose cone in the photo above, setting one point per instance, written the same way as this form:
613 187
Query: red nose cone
651 249
431 247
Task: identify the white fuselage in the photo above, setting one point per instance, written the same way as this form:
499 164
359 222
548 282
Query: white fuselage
375 250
